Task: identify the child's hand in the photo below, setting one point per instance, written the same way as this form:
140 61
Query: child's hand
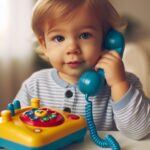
113 67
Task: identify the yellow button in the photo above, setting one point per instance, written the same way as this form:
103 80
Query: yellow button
6 115
40 113
35 103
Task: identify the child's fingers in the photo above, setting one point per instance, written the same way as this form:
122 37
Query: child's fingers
111 53
107 59
115 54
102 63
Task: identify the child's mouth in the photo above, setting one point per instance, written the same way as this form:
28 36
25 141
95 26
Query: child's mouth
74 64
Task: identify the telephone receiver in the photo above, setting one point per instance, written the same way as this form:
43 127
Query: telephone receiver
93 81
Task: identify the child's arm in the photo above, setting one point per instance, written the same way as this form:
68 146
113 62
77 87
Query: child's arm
131 108
132 111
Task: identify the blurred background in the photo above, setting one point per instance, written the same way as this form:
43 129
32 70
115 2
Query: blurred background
18 58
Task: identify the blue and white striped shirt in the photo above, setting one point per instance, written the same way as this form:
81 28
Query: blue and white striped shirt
130 115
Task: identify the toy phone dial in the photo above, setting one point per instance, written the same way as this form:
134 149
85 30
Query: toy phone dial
92 81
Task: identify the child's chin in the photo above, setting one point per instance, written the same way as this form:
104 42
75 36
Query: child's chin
76 74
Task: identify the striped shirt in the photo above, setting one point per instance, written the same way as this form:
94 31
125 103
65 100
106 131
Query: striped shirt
130 115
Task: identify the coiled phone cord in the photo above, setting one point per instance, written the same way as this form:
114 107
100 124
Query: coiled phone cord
108 141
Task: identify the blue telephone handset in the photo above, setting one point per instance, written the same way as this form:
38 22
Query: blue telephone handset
93 81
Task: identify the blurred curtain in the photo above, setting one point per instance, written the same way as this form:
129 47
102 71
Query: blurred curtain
16 52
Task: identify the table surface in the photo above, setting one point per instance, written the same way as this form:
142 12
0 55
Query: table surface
125 143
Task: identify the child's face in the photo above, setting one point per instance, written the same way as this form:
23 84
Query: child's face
73 46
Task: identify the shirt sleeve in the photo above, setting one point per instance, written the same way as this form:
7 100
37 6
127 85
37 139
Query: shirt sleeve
23 95
132 112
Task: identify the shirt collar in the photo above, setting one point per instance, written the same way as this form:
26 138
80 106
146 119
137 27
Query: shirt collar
59 81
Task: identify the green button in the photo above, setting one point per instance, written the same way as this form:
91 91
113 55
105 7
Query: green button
44 118
52 116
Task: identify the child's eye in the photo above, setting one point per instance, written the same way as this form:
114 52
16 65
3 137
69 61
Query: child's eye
85 35
58 38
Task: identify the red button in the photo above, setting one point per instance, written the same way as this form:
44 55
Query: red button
73 117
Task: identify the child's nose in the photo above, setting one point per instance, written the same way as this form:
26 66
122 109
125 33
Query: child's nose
73 48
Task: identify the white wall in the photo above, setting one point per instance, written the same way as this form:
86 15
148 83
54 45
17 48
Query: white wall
139 48
140 9
15 47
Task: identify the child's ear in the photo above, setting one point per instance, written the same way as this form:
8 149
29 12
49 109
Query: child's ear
42 44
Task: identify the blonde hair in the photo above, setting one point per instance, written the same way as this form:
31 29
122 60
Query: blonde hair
49 11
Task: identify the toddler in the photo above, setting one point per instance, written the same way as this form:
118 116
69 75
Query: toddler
71 34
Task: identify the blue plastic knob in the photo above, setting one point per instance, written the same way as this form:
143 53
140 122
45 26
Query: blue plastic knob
17 104
10 107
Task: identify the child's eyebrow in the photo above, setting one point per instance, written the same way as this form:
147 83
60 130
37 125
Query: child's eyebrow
53 31
89 27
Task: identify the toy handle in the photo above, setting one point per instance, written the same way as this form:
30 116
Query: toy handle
114 40
92 81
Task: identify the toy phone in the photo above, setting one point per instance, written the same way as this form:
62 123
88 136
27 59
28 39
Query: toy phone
92 81
39 128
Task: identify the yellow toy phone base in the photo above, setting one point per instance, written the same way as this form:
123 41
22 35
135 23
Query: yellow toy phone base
39 128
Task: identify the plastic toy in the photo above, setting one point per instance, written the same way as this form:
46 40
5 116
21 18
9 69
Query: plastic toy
39 128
